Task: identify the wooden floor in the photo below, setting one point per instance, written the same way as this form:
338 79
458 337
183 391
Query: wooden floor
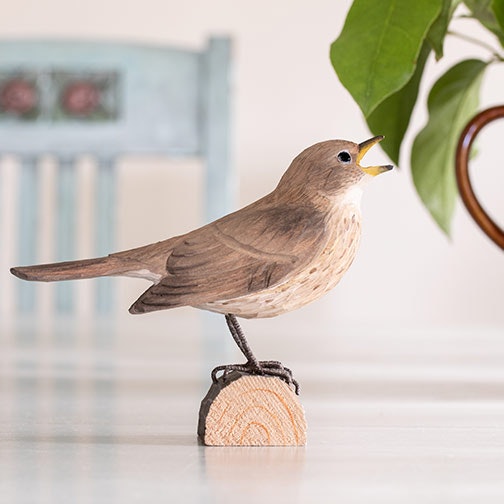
415 416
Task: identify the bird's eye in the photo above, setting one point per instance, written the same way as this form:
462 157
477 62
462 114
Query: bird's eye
344 156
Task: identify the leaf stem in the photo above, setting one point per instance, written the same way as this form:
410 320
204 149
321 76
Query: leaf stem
476 41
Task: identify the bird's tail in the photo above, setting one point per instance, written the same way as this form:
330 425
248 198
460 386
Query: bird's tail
72 270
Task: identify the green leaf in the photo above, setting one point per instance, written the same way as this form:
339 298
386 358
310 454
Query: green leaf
391 117
452 101
483 11
439 28
376 52
498 11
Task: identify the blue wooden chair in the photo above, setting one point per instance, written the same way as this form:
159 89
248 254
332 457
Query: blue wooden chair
68 98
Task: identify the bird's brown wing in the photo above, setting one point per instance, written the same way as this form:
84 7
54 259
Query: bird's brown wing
244 252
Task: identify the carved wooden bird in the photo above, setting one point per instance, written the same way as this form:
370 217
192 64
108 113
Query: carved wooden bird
273 256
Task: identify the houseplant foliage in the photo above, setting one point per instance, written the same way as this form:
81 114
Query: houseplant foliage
380 56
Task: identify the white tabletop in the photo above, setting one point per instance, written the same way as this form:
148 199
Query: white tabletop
403 416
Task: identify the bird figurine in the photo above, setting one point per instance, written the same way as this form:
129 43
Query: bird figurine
275 255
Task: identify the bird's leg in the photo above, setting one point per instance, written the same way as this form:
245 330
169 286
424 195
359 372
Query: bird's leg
252 366
237 333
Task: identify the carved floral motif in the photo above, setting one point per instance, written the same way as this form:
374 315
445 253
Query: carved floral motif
80 98
18 96
57 95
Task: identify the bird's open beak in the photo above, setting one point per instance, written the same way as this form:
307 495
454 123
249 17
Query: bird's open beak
363 148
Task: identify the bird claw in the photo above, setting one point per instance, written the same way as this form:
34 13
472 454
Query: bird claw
261 368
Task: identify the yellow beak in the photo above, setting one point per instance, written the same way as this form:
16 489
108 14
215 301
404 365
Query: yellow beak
363 148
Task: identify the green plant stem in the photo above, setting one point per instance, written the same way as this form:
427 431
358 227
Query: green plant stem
474 40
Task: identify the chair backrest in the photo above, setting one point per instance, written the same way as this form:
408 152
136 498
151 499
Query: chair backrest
69 98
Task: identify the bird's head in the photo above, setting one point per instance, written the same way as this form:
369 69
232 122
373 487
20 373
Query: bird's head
331 168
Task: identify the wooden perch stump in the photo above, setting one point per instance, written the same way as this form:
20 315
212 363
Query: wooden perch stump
251 410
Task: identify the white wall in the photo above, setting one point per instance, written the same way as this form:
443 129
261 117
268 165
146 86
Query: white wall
286 98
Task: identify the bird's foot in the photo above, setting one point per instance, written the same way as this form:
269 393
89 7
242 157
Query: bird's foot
262 368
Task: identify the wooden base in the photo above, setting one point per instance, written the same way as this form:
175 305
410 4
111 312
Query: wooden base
251 410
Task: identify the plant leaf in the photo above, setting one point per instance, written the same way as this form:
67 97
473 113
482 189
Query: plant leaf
483 12
498 11
452 101
392 116
376 52
439 28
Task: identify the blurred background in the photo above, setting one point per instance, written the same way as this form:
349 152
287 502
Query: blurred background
286 97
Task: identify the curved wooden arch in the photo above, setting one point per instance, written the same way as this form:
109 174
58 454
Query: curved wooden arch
475 125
